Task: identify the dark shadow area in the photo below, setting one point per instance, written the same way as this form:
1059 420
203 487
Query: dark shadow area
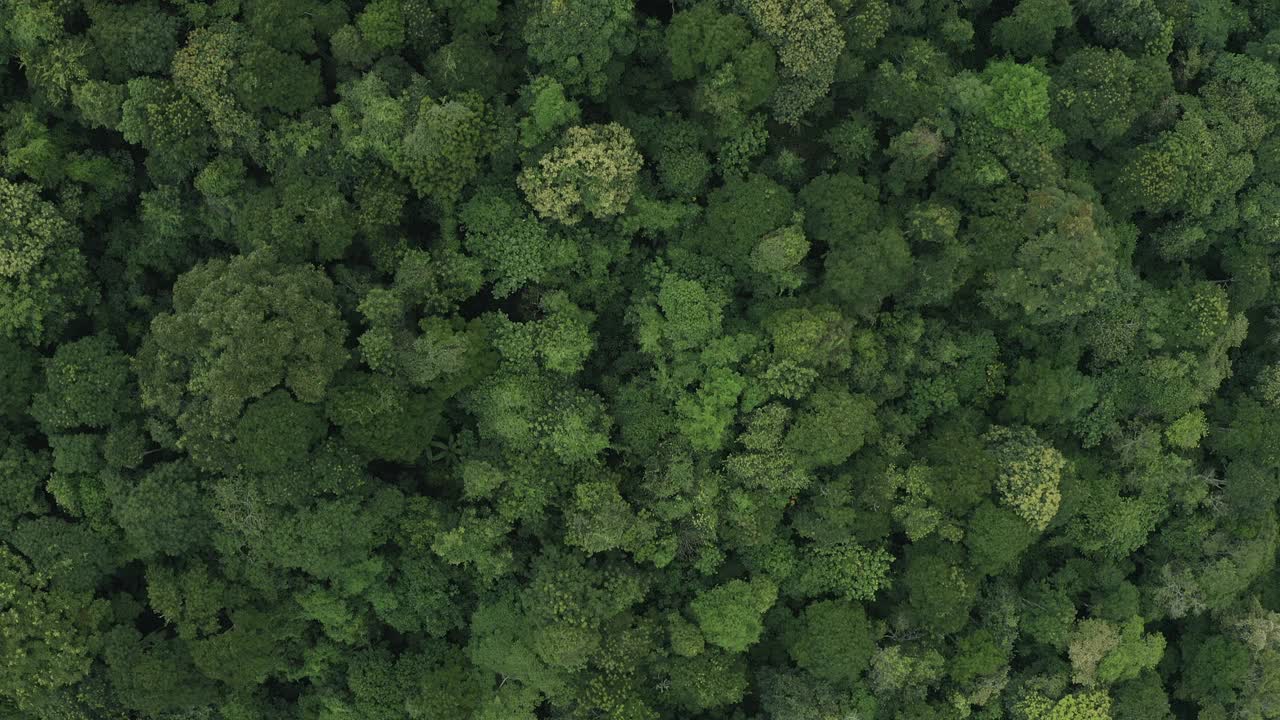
662 10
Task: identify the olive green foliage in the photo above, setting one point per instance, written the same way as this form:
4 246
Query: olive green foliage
238 329
639 359
43 278
592 170
808 40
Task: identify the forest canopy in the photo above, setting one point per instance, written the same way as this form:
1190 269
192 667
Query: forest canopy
639 359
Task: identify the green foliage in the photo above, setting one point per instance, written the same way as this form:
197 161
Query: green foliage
940 593
276 432
1097 95
863 273
1017 95
778 255
383 419
382 24
1030 474
700 40
165 513
49 636
996 538
515 247
85 386
1103 654
443 148
797 695
549 109
729 615
831 428
1082 706
133 39
843 569
238 329
592 171
578 43
43 278
1030 30
835 643
808 40
578 359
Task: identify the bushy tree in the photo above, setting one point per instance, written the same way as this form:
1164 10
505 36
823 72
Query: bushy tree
86 386
1030 474
808 40
591 171
239 329
44 281
729 615
835 642
578 43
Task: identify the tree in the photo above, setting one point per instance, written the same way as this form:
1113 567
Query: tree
548 111
677 149
978 655
43 278
839 208
172 126
940 593
843 569
700 40
238 329
1083 706
592 171
601 519
863 273
739 216
1030 473
1144 697
1131 26
154 674
1044 393
132 39
1102 654
833 427
578 359
791 694
729 615
443 148
1097 95
996 538
382 25
205 71
515 247
736 72
690 315
86 385
381 417
767 463
713 679
276 432
1192 168
165 513
578 43
20 373
49 636
1065 267
912 86
1018 95
1229 660
808 41
1030 30
835 643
